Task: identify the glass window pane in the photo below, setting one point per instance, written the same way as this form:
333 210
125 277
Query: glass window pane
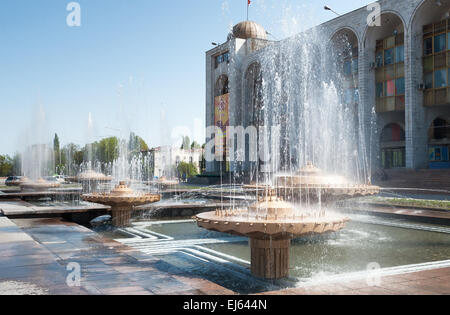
399 54
347 67
440 78
379 90
428 46
439 43
355 65
390 88
400 86
390 41
389 56
448 41
428 64
379 59
429 80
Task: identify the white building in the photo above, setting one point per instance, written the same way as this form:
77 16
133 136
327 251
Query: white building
167 158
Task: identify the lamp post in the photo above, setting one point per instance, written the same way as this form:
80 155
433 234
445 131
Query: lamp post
327 8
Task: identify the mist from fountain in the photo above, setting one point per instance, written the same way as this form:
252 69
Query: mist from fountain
37 152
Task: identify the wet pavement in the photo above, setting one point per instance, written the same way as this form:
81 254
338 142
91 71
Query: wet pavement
38 256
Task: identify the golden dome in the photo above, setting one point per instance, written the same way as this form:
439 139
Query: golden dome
249 29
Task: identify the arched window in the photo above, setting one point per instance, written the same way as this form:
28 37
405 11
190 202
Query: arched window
440 129
253 95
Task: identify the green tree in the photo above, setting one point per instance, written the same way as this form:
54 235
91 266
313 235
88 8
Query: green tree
186 145
187 170
136 144
57 155
6 166
108 150
195 145
17 164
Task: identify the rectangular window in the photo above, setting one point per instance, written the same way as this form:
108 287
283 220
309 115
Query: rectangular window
439 43
429 80
355 65
440 78
379 59
390 88
379 90
390 42
389 56
400 86
428 46
399 54
448 41
428 64
347 67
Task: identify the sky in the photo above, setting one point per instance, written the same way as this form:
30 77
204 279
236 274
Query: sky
132 65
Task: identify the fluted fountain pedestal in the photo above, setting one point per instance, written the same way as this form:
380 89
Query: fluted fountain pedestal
270 258
122 201
121 216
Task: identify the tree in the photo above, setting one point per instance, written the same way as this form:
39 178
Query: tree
186 145
6 166
57 155
187 170
108 150
136 144
195 145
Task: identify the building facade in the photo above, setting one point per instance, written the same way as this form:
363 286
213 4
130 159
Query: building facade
399 69
166 159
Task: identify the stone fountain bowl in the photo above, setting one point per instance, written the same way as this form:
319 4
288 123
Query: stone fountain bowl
240 223
91 176
311 184
39 185
130 200
122 195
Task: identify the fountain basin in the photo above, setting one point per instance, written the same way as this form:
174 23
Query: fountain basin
39 185
122 201
270 234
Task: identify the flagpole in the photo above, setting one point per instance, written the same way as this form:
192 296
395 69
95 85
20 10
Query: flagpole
248 5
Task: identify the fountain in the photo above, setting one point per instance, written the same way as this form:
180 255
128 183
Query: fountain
37 185
90 180
122 201
272 222
311 184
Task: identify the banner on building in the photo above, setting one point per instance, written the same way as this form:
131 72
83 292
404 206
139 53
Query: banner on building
221 120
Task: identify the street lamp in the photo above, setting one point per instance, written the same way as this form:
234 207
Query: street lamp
327 8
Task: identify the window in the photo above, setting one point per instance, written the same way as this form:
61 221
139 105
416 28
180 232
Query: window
448 41
429 81
400 86
439 43
390 88
428 46
379 59
399 54
389 56
347 67
355 65
379 90
440 78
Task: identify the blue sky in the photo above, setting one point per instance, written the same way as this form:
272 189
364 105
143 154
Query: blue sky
129 61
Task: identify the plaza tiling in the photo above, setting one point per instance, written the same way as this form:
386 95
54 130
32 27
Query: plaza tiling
36 257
